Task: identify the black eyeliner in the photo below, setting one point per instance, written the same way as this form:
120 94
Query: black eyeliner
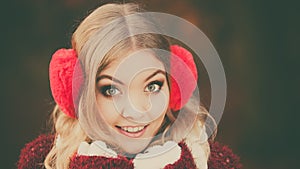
159 83
104 88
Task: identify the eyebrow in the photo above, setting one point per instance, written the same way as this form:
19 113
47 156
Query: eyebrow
155 73
120 82
110 78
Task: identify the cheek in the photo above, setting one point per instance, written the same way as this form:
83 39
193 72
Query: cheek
106 110
155 126
159 102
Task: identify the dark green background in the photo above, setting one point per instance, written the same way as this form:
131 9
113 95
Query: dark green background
256 40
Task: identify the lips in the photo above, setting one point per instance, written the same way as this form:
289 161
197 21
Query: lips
132 131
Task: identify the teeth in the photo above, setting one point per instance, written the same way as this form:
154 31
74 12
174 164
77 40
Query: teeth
133 129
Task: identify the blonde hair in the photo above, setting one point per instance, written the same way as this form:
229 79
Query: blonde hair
88 40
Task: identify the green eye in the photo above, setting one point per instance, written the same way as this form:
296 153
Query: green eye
109 90
154 87
112 92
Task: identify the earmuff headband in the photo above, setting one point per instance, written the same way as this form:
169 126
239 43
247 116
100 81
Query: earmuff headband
61 73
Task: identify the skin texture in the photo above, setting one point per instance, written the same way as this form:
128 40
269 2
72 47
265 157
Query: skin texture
133 94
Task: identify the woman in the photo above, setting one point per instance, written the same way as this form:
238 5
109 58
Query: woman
124 100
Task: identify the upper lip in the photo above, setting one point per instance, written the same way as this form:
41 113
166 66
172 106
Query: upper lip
133 126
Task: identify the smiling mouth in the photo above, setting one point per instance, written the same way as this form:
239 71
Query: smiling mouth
132 131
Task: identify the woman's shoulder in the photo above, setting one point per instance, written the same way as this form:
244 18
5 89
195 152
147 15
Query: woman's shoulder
221 156
34 153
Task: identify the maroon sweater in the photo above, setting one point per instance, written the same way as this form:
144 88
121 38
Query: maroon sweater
34 153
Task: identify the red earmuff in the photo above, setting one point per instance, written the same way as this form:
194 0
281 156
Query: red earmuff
183 77
61 71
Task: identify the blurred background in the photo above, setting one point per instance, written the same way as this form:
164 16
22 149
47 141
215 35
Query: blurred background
256 41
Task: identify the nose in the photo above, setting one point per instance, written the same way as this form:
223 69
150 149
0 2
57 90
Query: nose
136 106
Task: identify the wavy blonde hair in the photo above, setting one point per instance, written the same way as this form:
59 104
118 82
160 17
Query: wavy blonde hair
71 131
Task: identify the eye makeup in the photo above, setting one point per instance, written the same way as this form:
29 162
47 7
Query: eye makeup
109 90
154 86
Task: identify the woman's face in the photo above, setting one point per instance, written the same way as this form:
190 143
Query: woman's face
132 97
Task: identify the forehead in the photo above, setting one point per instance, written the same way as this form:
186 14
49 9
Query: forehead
128 66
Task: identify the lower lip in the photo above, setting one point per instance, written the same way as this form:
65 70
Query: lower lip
133 135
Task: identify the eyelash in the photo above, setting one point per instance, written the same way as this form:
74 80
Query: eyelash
156 82
104 90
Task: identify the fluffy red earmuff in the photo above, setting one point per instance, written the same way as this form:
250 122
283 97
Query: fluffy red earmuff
183 77
62 70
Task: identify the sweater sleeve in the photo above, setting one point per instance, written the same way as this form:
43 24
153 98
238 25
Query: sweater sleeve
32 156
185 161
221 156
